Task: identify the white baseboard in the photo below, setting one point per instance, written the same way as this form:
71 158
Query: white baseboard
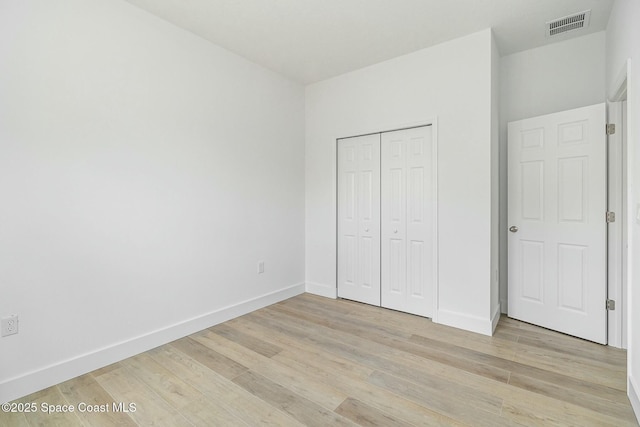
634 397
322 290
466 322
495 318
31 382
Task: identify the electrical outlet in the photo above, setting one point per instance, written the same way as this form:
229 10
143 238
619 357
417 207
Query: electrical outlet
260 267
9 325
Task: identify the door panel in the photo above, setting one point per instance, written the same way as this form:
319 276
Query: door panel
557 201
572 189
532 190
532 254
397 267
359 219
571 276
416 280
408 218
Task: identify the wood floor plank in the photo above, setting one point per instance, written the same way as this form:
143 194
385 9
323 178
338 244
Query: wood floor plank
150 409
192 404
407 323
326 363
576 347
310 360
106 369
410 368
526 370
252 343
173 390
590 401
533 413
379 398
558 342
51 397
352 388
304 410
348 377
448 389
301 383
577 367
204 412
219 389
209 357
85 389
346 333
454 408
341 342
554 408
304 350
505 335
400 324
488 345
13 419
319 315
407 366
367 416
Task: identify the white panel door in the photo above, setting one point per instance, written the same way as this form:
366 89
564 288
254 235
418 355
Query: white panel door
359 219
557 206
408 220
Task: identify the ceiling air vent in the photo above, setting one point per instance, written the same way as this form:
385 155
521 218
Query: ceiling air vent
568 23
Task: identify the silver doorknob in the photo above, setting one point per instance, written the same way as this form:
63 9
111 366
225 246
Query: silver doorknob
513 229
366 230
395 231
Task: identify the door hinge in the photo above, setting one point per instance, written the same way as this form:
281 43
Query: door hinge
611 304
611 217
611 128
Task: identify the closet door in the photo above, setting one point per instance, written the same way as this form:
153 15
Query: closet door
408 206
359 219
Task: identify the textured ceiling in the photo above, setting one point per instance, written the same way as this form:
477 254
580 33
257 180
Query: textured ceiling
312 40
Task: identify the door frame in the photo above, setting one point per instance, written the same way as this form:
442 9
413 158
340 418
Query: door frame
433 122
617 196
617 239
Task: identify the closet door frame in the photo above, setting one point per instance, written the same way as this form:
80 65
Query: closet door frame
433 122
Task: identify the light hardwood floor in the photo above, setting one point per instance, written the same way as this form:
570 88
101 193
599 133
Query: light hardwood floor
321 362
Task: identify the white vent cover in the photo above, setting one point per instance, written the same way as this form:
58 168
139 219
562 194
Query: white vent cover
568 23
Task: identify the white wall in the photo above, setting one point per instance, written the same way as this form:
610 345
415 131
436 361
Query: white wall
143 173
623 34
452 82
548 79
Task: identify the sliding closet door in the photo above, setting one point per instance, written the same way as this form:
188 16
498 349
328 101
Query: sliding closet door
359 219
408 223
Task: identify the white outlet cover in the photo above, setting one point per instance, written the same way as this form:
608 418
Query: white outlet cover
9 325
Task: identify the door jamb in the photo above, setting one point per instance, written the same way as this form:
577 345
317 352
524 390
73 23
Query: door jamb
617 198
